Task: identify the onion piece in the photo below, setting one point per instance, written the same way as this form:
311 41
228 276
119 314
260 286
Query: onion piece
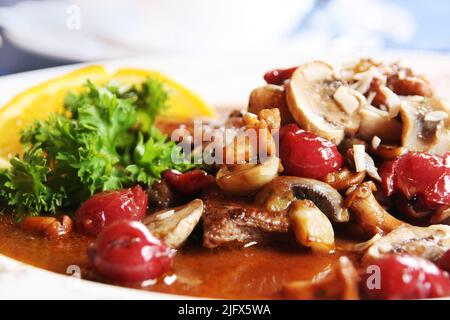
376 141
359 151
371 169
364 162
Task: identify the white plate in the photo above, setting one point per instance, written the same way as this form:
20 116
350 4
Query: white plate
220 82
84 30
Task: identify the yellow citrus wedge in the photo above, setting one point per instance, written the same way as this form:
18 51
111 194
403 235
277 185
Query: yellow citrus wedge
183 104
41 100
37 102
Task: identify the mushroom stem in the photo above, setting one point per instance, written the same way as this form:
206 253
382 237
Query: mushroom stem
369 214
339 283
49 227
247 178
387 152
311 226
343 179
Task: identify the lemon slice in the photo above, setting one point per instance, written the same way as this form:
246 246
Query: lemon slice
41 100
183 104
36 103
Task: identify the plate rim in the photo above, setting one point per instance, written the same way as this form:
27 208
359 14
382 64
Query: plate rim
87 286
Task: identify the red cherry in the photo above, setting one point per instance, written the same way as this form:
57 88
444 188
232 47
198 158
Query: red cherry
107 207
126 251
292 127
444 261
439 193
387 172
189 183
306 155
421 176
279 76
416 172
404 277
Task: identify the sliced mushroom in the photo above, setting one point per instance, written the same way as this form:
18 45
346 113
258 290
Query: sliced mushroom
422 132
430 243
339 283
174 226
376 122
267 97
311 101
282 191
311 226
343 179
247 178
369 214
349 99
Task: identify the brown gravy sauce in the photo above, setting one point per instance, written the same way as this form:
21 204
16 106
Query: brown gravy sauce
257 272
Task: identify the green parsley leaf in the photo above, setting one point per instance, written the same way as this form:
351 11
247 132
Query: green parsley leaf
105 140
25 188
155 156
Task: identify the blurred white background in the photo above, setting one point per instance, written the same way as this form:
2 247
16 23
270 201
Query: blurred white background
86 29
44 33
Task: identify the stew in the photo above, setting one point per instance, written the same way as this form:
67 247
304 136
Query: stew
331 185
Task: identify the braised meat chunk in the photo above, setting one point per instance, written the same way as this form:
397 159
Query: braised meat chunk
230 221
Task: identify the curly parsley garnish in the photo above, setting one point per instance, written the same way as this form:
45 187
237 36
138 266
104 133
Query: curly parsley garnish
105 140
